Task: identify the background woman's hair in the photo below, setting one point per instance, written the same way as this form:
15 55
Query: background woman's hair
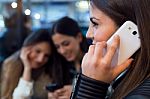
137 12
41 35
70 27
66 26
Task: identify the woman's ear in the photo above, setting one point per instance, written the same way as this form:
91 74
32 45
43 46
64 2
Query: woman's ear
79 37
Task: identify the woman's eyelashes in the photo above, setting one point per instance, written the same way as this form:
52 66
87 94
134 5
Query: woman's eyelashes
64 44
37 51
94 24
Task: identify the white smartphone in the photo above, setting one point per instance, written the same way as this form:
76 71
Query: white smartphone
129 42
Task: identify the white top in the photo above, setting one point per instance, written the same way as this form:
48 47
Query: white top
24 90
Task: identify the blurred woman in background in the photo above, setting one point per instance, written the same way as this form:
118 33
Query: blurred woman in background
26 73
71 44
69 40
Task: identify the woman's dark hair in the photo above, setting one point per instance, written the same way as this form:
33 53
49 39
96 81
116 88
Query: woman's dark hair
38 36
137 12
68 26
56 67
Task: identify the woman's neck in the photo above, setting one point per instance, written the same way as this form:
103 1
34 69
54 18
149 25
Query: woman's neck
37 72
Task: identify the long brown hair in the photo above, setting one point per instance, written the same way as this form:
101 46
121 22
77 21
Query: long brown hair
136 11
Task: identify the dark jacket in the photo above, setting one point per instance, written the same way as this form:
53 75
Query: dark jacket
87 88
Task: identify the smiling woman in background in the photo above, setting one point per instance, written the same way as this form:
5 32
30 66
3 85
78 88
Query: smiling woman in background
26 73
69 40
71 44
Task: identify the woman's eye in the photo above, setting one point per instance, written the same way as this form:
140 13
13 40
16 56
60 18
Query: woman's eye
94 24
66 43
38 51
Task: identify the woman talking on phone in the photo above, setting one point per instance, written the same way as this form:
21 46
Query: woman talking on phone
106 16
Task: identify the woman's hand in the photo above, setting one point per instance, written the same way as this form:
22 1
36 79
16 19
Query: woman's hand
24 55
98 66
63 93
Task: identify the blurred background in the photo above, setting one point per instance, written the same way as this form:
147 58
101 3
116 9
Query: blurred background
38 14
45 12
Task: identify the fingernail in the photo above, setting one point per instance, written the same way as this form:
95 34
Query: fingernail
116 36
132 59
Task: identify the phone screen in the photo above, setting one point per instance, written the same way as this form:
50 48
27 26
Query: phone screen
53 87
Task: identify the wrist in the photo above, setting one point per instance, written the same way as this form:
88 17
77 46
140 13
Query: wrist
84 85
27 74
27 68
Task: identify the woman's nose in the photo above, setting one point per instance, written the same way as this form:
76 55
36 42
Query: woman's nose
89 33
62 50
40 58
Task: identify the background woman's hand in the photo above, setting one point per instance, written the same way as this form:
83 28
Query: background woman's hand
98 66
63 93
24 55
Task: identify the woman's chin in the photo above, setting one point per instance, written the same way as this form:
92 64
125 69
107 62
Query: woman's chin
35 66
70 59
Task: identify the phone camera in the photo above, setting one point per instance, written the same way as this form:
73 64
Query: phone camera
134 32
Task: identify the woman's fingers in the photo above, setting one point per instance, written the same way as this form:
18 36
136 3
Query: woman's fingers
91 50
51 95
119 69
97 64
64 97
60 92
25 52
111 49
98 52
24 55
63 93
87 55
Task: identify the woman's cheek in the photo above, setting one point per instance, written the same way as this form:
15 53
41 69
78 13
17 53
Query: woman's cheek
31 55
